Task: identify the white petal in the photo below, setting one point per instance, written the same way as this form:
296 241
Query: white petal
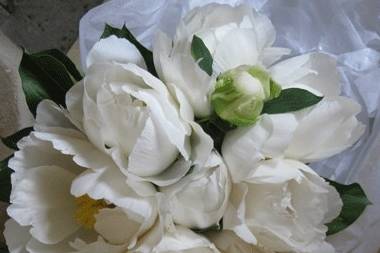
118 227
328 129
316 70
324 77
200 199
184 240
227 242
234 218
120 121
110 184
276 172
271 55
42 199
50 115
228 53
34 153
201 143
84 153
172 174
153 152
101 246
160 103
114 49
183 72
287 72
74 103
265 32
16 236
65 246
243 148
166 115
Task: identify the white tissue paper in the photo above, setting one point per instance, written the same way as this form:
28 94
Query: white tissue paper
347 29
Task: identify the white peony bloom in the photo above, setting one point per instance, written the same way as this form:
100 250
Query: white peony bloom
308 135
199 200
234 36
55 200
129 114
283 206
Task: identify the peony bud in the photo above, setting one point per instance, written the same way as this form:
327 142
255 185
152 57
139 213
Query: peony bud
240 94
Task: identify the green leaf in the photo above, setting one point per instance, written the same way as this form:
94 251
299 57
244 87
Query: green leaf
11 141
46 75
216 128
290 100
354 203
200 53
5 180
126 34
69 65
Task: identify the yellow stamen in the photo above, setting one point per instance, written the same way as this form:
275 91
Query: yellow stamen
87 208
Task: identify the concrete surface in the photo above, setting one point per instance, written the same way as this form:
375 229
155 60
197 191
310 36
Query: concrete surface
43 24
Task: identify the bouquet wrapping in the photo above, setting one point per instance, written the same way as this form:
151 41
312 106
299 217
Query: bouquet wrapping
199 127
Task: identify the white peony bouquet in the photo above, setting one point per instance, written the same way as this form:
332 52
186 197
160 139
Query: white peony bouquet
200 145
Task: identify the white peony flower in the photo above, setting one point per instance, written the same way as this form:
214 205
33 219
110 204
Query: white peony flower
130 115
308 135
199 200
234 36
283 206
55 200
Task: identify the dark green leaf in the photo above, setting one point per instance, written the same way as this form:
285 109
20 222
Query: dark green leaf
290 100
5 180
69 65
11 141
200 53
216 128
45 75
126 34
354 203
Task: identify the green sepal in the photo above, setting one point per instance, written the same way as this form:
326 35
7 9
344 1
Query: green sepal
124 33
290 100
355 202
5 180
11 141
201 54
46 75
275 89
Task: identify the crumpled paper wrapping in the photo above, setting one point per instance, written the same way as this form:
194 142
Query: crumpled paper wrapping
346 29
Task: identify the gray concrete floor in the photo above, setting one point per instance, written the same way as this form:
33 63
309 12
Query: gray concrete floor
43 24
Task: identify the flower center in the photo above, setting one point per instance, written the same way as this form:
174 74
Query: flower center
87 208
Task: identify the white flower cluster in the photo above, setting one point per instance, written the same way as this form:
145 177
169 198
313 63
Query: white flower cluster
129 167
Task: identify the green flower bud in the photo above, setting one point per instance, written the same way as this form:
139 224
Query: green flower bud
240 94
